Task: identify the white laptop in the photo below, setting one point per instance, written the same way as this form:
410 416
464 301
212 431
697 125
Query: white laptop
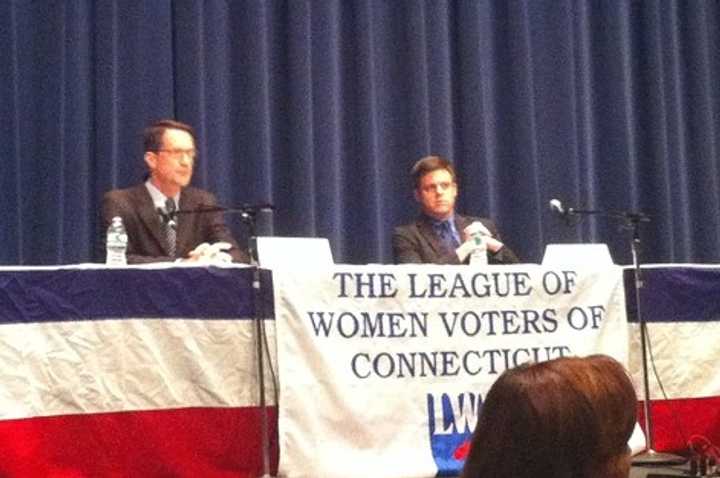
577 255
293 252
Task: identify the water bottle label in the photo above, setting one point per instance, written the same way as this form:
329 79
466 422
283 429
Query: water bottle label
116 244
117 238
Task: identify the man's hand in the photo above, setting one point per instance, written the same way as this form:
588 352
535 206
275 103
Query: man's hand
477 227
465 249
493 245
211 253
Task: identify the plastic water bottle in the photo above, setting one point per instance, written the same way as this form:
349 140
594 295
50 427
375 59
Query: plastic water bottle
116 243
478 257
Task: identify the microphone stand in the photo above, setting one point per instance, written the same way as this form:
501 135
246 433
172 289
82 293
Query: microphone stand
246 211
248 214
632 221
248 217
649 456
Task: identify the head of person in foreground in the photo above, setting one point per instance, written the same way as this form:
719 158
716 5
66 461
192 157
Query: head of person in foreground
565 418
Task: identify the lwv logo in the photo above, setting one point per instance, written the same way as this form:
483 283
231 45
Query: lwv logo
451 419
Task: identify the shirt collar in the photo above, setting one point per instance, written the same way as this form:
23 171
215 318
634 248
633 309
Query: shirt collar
159 198
438 222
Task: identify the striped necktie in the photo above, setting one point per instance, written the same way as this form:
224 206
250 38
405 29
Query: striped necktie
170 225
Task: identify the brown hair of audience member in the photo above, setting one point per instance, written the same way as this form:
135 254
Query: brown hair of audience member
429 164
565 418
153 134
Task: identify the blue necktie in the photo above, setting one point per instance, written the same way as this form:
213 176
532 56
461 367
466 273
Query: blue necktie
447 239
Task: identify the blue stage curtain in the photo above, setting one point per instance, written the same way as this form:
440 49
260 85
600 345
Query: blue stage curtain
322 107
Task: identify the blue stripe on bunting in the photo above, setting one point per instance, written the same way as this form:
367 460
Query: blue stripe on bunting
675 294
30 296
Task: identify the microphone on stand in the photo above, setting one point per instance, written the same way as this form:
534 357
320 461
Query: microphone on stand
630 217
171 211
165 217
631 220
243 209
168 214
557 206
250 214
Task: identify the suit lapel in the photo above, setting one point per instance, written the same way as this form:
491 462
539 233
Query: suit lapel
427 231
149 216
185 222
461 222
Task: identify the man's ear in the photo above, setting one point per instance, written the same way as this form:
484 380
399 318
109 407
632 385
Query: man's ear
151 160
416 194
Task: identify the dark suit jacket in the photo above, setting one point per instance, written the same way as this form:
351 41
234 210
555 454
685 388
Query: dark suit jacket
418 243
146 240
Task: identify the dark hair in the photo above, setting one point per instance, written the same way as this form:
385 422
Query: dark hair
429 164
153 134
564 418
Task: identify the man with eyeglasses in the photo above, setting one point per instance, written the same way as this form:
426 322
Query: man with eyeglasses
155 232
438 235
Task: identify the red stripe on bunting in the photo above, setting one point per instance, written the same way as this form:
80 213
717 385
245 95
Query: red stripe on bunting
674 422
194 442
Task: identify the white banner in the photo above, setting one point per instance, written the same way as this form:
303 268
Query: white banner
383 369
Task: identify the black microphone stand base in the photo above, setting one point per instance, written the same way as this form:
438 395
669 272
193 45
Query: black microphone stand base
651 457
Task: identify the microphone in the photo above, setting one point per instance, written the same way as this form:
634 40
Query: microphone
629 216
168 213
556 206
171 210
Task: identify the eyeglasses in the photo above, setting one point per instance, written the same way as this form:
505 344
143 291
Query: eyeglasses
437 187
179 153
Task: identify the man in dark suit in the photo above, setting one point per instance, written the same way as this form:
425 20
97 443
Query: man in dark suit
438 234
154 233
